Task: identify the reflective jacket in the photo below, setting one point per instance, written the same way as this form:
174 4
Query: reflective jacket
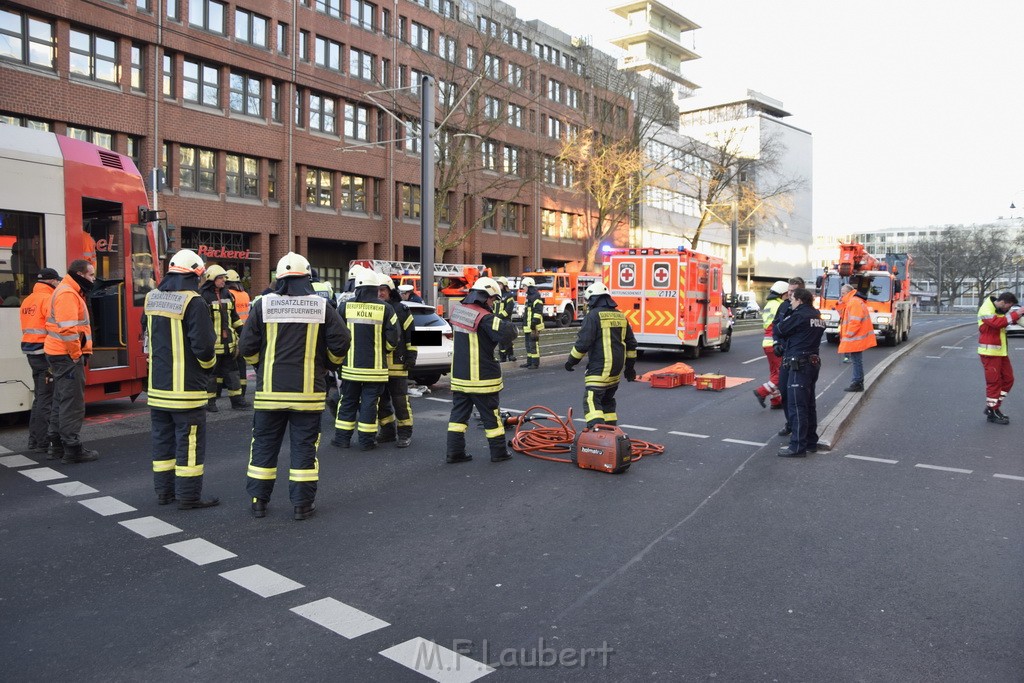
373 326
991 329
533 314
607 338
34 310
405 350
181 340
226 322
291 341
68 332
477 332
505 306
242 303
856 333
771 307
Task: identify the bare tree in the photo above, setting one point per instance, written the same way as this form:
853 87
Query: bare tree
962 261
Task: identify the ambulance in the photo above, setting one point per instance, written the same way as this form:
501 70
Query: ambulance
671 297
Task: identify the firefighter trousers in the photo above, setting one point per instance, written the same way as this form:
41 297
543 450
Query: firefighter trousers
42 401
226 372
998 379
803 410
393 409
68 409
458 423
243 375
358 410
532 349
599 405
268 428
179 450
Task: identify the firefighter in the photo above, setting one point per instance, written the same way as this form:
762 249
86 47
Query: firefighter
533 323
994 315
180 337
800 329
34 310
504 307
226 325
394 413
856 332
373 326
770 389
242 304
291 337
476 375
607 338
68 346
779 346
326 290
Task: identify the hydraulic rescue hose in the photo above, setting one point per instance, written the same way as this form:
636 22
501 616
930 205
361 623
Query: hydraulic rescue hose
547 443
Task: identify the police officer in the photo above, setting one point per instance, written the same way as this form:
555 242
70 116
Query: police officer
800 330
242 303
606 336
373 326
533 323
504 307
292 335
394 413
180 336
226 325
34 310
778 347
770 389
476 375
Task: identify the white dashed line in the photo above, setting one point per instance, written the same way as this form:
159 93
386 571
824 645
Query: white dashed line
261 581
743 443
939 357
753 360
695 436
436 662
442 400
150 527
4 450
869 459
42 474
954 348
1014 477
200 551
73 488
943 469
346 621
642 429
17 461
107 506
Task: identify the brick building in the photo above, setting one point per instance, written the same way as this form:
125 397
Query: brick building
282 124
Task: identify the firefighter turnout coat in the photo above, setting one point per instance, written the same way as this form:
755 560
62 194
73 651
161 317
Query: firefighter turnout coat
533 314
478 332
68 332
607 338
405 352
366 317
181 349
856 332
226 322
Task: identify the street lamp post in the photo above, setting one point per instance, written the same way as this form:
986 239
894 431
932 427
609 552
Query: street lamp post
427 190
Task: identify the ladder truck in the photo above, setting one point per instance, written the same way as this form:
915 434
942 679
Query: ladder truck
452 280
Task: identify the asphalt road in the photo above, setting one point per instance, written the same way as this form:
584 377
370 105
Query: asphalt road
714 560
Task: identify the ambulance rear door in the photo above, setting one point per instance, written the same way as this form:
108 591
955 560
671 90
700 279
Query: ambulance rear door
660 296
622 275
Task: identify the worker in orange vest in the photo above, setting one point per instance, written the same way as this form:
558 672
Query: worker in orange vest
88 248
67 347
856 332
34 310
242 304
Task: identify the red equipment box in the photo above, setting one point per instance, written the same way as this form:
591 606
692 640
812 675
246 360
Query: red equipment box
669 380
710 382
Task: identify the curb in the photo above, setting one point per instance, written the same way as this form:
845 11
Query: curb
835 423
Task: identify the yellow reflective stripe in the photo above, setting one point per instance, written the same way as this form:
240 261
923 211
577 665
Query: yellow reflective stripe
379 374
497 431
367 427
386 420
308 367
345 425
306 475
336 360
192 453
163 465
179 404
177 355
606 349
265 473
631 354
611 417
188 471
474 358
457 427
271 404
405 423
578 355
601 381
496 323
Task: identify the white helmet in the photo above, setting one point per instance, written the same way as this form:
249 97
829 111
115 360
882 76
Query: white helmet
354 270
215 271
527 282
503 281
595 289
780 287
186 261
292 265
385 281
367 278
232 276
488 285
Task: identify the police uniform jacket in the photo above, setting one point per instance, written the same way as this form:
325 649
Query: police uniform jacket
181 344
291 337
801 331
226 323
533 316
477 332
373 326
607 338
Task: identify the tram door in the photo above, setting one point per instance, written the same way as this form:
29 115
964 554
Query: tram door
103 246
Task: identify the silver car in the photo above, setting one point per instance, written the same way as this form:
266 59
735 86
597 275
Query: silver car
432 337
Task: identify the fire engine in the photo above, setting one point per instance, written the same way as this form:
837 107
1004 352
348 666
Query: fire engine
671 297
888 295
562 292
453 279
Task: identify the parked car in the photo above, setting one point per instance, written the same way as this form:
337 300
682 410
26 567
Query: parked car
432 336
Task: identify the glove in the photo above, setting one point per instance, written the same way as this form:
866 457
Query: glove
1015 315
630 372
777 349
570 365
409 362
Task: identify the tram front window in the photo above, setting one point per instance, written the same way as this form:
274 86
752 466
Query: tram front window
21 254
103 246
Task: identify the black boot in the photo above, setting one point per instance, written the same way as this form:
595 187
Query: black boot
198 503
528 364
304 511
165 498
387 433
239 403
259 508
499 452
456 448
996 417
855 386
77 453
55 448
211 406
404 437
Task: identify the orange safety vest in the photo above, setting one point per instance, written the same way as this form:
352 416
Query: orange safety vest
34 310
242 303
856 332
68 332
88 248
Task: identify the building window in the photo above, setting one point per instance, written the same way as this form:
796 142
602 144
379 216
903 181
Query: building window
352 193
448 48
471 57
208 14
241 176
362 13
197 169
510 160
96 137
488 26
201 83
271 180
447 94
26 39
304 45
93 57
490 211
172 10
515 115
412 142
357 121
133 148
509 218
360 64
138 68
554 90
515 75
492 108
492 66
328 54
322 115
282 38
489 155
245 95
573 97
415 81
275 101
443 207
330 7
385 22
555 127
448 8
300 119
421 36
251 28
551 175
319 187
409 204
13 120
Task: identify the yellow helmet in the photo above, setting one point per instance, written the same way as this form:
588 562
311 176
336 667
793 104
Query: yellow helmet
186 261
232 276
527 282
292 265
502 280
215 271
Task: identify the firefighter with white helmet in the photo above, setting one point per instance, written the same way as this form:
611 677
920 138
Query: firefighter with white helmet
291 338
394 412
533 323
226 326
606 337
242 303
770 389
180 336
476 375
504 307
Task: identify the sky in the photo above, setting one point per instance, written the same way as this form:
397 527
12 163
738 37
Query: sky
916 107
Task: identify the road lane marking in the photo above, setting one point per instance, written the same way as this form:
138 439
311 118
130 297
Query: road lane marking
435 662
943 469
106 506
870 459
42 474
200 551
642 429
744 443
261 581
442 400
1008 476
954 348
939 357
5 450
696 436
17 461
753 360
150 527
73 488
345 620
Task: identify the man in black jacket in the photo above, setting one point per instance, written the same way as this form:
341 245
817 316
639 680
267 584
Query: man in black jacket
226 325
779 349
800 330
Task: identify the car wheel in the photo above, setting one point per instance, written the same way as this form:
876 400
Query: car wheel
727 344
427 380
564 318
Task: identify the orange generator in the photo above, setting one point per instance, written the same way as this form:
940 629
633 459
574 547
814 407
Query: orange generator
603 447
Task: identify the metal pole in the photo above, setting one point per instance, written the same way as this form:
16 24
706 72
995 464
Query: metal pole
735 247
427 190
938 294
